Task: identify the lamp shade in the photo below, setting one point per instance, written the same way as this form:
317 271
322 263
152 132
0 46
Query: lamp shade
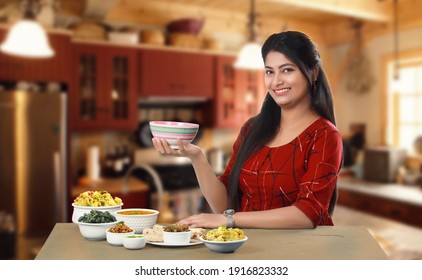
27 38
250 58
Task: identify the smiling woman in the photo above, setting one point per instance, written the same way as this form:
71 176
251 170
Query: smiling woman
286 159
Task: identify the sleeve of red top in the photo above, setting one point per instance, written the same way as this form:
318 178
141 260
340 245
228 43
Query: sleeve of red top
317 185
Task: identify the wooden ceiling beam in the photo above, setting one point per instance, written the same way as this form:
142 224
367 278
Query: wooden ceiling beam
371 10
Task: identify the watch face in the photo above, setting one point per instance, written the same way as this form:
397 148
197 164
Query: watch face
229 212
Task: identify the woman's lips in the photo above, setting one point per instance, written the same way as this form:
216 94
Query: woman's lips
281 91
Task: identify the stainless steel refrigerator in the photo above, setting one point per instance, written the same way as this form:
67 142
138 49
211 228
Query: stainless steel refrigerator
33 159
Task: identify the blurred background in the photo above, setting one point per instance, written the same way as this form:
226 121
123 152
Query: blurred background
78 120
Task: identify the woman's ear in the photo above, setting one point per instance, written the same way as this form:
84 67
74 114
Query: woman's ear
315 73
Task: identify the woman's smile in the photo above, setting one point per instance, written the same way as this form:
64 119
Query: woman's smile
281 91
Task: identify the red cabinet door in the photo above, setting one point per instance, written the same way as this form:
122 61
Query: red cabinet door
225 100
176 74
240 94
120 96
105 88
88 110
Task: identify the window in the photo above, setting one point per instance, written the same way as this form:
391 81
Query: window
405 104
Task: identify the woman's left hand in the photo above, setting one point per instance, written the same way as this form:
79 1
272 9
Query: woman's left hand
205 220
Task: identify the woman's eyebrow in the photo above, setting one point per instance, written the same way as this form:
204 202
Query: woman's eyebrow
281 66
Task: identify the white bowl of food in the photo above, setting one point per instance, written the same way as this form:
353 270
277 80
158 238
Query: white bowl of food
137 218
223 246
115 234
98 200
134 241
172 131
176 234
93 225
223 239
95 231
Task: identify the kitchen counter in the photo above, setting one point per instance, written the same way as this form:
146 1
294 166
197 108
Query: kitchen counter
323 243
394 201
112 185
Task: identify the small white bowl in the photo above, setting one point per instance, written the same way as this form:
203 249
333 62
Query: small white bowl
138 222
134 241
116 239
95 231
79 211
176 238
223 246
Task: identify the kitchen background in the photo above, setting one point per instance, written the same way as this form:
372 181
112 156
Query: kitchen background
120 63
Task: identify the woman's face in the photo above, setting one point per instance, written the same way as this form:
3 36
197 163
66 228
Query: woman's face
285 82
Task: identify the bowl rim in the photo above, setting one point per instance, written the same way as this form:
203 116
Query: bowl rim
138 236
96 224
97 207
223 242
156 212
118 233
173 124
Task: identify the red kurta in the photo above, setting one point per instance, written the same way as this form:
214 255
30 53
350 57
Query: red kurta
302 173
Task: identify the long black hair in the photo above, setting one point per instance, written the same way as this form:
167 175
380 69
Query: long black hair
262 128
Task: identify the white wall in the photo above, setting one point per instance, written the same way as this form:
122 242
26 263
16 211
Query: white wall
354 108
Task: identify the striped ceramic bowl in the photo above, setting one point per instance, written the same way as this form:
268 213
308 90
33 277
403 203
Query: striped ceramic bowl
171 131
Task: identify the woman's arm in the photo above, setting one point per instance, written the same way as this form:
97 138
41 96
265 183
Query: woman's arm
286 217
212 188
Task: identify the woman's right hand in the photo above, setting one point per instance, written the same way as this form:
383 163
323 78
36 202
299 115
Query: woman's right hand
189 150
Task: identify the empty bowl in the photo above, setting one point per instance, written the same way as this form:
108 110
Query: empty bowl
137 218
223 246
134 241
172 131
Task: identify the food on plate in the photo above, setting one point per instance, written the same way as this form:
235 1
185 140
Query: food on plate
97 217
195 233
176 228
136 212
155 234
97 199
223 234
120 227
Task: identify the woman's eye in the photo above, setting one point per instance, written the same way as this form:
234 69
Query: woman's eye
287 70
268 72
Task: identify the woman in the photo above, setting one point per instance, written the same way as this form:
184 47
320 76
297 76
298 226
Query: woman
286 159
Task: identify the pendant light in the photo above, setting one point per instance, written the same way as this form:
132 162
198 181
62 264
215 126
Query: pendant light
249 57
27 38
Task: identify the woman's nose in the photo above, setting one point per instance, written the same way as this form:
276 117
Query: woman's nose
278 80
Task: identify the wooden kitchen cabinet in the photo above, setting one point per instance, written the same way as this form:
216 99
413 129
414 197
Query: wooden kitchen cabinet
104 95
54 69
386 200
240 94
166 73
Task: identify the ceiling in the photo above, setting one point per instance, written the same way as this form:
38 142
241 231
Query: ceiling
328 15
320 11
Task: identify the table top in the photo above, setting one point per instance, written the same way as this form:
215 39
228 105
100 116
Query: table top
323 243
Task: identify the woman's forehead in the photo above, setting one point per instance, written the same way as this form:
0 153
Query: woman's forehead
275 59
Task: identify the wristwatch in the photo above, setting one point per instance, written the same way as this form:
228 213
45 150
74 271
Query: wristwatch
230 219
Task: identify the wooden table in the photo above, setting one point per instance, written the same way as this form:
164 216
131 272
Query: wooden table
323 243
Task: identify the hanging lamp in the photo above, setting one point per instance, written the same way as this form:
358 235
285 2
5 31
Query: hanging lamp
250 57
27 38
